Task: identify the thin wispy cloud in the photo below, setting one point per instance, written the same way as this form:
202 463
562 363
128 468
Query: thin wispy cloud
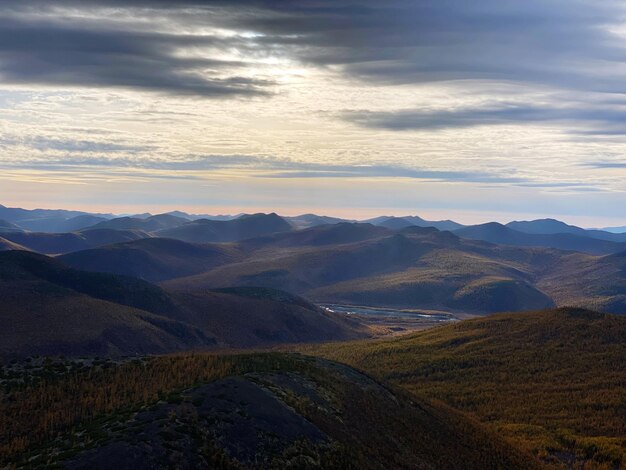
267 167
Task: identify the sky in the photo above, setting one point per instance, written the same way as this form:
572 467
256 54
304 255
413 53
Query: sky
476 111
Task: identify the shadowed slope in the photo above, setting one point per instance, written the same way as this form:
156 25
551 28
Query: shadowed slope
9 245
241 228
153 259
330 234
552 226
396 223
312 220
497 233
416 267
150 224
251 317
48 308
54 243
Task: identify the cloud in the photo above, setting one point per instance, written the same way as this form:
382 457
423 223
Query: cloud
267 167
600 165
562 43
495 114
60 54
174 47
41 143
388 171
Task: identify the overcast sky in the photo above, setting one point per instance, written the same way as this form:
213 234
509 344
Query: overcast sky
473 110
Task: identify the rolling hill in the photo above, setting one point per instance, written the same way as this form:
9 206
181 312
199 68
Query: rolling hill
363 264
417 267
592 282
552 226
49 221
238 411
54 243
152 223
323 235
153 259
241 228
49 308
312 220
13 214
494 232
396 223
256 317
550 381
80 222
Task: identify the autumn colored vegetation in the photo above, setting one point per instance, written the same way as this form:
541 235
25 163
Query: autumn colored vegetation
35 414
551 382
368 424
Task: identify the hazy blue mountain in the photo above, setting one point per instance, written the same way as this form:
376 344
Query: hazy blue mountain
56 243
246 226
552 226
181 214
187 216
153 259
620 230
494 232
312 220
149 224
61 225
396 223
545 227
48 220
14 214
79 222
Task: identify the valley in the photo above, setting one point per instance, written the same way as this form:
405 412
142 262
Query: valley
351 336
312 235
382 321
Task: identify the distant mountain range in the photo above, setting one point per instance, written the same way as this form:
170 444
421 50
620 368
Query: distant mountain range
61 221
390 262
364 264
583 241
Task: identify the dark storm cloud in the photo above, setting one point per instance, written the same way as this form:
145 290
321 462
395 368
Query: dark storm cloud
60 54
557 42
609 121
600 165
562 43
